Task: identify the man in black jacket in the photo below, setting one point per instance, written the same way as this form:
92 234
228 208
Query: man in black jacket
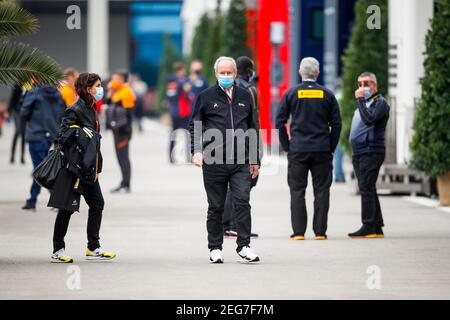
315 130
229 155
42 109
368 144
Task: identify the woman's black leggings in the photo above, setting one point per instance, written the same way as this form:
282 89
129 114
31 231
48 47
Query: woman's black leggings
94 198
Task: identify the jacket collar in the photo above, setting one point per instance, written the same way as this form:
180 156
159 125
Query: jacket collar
240 79
374 97
223 93
83 104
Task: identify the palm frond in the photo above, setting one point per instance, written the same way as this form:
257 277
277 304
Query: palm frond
15 21
20 64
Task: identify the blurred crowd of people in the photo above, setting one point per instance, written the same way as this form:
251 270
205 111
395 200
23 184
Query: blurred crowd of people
42 113
36 111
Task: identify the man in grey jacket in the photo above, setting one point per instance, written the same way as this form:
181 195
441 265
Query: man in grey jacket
368 145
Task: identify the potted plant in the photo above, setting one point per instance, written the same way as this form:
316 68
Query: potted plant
431 141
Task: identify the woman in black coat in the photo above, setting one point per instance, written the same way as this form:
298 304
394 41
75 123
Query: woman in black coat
66 192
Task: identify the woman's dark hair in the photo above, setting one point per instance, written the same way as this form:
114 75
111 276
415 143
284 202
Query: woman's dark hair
85 81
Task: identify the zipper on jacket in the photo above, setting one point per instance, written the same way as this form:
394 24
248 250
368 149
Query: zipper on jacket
230 101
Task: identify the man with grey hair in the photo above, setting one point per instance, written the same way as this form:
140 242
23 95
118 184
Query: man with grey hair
314 131
226 110
368 144
309 69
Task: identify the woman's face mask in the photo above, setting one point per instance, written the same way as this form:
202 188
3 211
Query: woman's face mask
98 95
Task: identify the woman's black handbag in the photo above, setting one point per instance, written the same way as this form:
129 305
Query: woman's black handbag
46 172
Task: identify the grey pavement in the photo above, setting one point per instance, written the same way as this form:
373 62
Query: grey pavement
159 234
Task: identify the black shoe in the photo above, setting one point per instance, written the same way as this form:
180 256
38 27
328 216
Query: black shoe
297 237
254 235
29 207
364 233
121 190
12 161
380 233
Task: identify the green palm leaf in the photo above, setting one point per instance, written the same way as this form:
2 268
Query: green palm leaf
15 21
19 64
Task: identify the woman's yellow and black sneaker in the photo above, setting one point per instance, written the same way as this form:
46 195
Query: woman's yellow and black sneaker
99 254
61 257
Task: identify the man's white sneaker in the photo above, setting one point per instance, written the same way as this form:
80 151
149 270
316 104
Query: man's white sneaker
99 254
60 257
216 256
248 256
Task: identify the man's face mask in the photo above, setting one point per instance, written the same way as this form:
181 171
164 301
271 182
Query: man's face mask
367 89
225 81
367 93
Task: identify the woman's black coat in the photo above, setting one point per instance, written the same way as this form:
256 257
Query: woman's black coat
66 192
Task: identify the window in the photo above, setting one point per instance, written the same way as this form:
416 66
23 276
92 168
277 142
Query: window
316 24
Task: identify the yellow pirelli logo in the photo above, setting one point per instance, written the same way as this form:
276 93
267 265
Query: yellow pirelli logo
310 94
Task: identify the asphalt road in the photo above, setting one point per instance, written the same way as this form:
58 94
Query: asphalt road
159 234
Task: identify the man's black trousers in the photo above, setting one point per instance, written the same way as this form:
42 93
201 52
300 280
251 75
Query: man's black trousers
93 196
321 167
367 167
216 179
122 145
229 222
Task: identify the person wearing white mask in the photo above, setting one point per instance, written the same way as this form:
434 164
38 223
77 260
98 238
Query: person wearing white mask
65 194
